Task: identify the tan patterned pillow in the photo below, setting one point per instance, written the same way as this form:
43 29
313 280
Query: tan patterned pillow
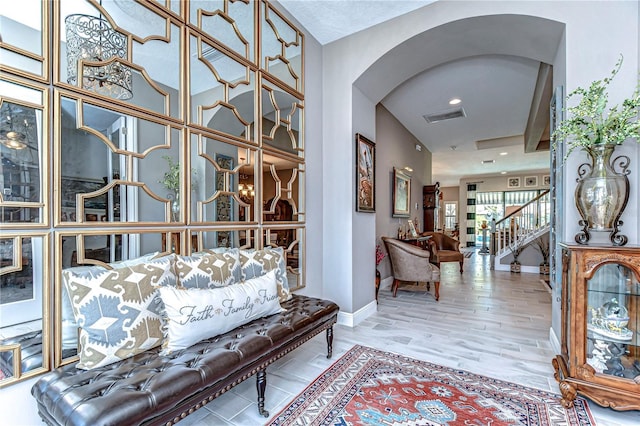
256 263
208 269
118 311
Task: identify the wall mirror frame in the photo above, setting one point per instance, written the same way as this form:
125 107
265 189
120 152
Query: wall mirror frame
24 46
254 39
23 175
24 305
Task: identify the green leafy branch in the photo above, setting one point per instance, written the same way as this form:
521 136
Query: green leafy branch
590 123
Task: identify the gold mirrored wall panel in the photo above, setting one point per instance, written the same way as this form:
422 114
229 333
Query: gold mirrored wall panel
282 188
243 238
282 48
93 255
24 38
223 186
222 91
282 120
231 22
24 348
122 51
114 167
291 240
23 132
171 6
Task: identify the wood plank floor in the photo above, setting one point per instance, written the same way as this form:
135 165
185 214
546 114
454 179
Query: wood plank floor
487 322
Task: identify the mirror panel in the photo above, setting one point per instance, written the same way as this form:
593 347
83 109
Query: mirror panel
292 242
120 50
23 38
222 91
23 306
281 189
171 5
115 167
244 238
23 128
282 46
218 171
230 22
281 120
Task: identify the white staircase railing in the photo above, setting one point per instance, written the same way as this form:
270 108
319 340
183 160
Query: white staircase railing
521 227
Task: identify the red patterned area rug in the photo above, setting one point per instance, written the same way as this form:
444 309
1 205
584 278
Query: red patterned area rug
371 387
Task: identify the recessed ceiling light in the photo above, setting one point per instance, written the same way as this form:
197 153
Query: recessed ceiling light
503 173
455 101
504 153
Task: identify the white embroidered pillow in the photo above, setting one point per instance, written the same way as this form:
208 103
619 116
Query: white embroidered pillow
194 314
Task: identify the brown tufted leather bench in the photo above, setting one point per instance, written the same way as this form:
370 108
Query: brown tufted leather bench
150 389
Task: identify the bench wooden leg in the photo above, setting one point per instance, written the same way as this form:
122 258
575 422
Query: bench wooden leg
395 287
329 342
437 290
261 384
461 263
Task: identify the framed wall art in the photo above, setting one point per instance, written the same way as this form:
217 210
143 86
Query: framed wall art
530 181
365 174
513 182
401 193
546 180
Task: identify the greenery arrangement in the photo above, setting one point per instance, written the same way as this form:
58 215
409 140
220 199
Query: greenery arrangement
171 178
542 245
590 123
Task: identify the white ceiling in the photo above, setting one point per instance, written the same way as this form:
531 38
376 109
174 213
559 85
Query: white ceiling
496 93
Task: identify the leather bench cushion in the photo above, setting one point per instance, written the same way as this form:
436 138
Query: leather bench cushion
140 388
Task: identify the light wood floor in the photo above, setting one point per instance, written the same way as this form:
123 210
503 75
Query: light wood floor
487 322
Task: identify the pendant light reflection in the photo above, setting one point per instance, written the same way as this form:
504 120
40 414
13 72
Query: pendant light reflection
14 126
91 40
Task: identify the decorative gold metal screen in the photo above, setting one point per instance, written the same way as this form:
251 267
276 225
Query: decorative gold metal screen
177 126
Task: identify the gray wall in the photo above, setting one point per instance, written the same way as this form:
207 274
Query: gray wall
396 147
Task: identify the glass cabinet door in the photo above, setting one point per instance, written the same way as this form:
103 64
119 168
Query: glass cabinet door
612 322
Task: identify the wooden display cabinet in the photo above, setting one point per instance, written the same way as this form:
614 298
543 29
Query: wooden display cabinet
600 326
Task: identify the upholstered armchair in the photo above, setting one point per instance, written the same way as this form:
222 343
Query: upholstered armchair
444 249
411 263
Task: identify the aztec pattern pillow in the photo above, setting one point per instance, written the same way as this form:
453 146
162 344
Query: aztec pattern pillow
118 311
209 269
192 315
69 323
255 263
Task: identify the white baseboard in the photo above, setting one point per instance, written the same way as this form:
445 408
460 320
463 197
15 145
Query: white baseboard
523 268
353 319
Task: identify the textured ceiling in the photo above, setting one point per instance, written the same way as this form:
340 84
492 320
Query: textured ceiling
496 89
330 20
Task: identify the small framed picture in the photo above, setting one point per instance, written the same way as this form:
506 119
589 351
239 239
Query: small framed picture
546 180
513 182
365 174
530 181
401 193
412 229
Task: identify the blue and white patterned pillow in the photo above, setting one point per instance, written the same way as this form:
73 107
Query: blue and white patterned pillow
256 263
118 311
209 269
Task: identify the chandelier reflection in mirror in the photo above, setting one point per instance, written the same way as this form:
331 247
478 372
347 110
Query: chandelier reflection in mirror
16 124
91 40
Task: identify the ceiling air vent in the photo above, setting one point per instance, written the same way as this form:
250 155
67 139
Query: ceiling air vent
445 115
